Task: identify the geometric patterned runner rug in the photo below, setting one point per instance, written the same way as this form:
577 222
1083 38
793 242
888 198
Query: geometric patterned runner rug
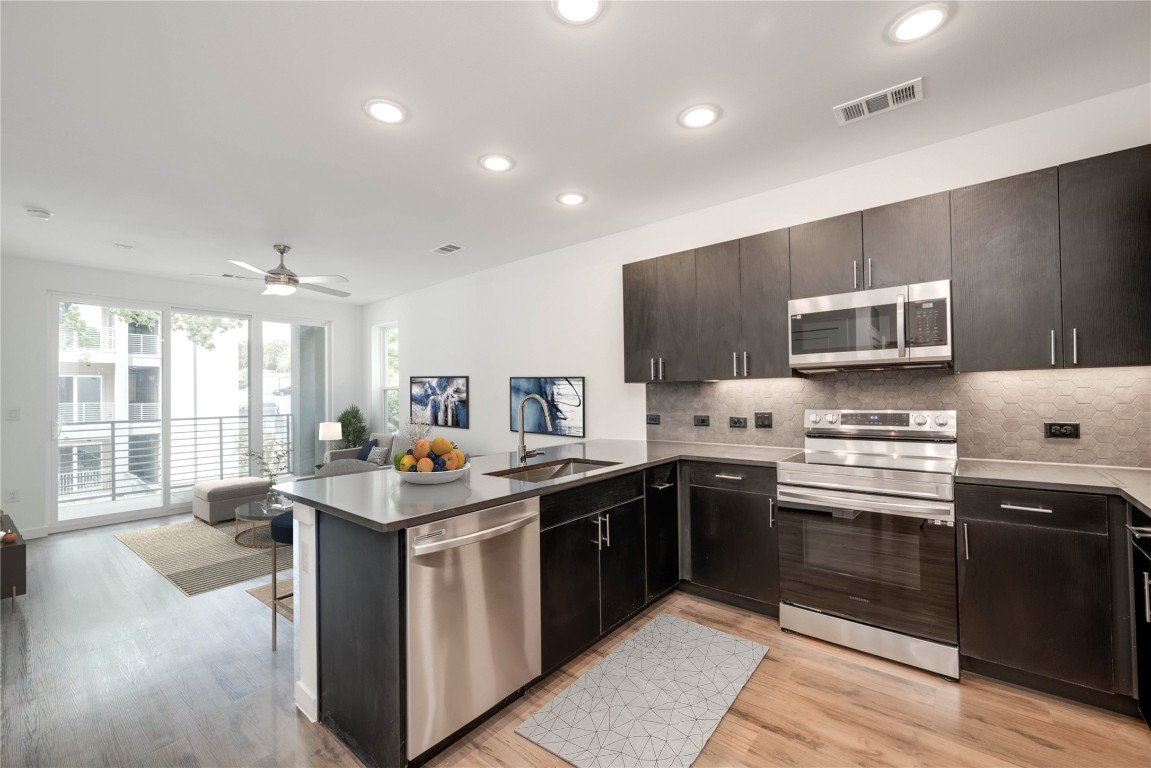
198 558
653 702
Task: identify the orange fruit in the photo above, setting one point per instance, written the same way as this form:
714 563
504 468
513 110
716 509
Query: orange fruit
421 449
425 465
450 461
461 460
441 445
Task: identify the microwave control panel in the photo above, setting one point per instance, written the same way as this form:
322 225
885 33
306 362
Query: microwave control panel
927 323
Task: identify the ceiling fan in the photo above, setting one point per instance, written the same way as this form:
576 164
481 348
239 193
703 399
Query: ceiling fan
281 281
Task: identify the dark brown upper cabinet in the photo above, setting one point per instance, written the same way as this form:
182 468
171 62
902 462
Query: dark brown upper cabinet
659 311
827 256
719 333
907 242
1005 263
1105 259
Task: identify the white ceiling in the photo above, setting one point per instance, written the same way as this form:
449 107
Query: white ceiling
199 132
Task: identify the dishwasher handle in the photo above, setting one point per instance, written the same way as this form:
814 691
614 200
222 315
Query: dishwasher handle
472 538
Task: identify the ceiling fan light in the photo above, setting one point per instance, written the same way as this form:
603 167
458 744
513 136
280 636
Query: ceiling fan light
279 290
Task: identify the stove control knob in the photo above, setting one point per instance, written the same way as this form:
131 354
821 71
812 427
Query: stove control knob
832 418
941 420
815 418
920 420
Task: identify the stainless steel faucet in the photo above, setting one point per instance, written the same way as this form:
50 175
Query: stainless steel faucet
525 454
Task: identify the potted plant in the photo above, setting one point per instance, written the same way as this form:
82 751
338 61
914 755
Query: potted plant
272 460
353 427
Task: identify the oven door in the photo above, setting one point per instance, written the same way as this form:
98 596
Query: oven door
861 328
880 560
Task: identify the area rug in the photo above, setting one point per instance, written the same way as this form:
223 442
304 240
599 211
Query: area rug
263 593
653 702
198 558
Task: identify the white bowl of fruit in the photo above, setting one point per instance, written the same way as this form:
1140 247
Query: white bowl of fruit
430 462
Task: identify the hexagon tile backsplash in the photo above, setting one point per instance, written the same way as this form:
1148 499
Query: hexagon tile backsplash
1000 414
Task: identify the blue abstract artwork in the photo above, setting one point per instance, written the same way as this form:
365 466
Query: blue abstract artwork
441 401
564 396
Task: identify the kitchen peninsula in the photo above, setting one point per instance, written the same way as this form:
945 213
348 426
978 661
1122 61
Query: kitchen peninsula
356 535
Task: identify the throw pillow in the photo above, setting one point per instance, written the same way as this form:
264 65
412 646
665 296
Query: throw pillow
366 449
379 455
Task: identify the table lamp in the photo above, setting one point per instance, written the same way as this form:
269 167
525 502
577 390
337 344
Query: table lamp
329 431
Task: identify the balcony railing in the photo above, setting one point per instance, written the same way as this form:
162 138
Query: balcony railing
143 411
143 344
71 413
88 339
108 460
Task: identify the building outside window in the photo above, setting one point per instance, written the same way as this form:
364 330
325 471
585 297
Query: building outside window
390 378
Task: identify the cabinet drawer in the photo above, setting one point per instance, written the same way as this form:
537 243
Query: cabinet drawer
732 477
663 475
558 508
1025 506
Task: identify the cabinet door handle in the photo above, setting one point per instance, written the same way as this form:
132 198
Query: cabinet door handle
745 363
1053 346
735 364
966 545
770 512
607 529
661 369
1075 346
1018 508
598 532
661 486
728 477
855 274
1147 596
1139 533
869 273
652 369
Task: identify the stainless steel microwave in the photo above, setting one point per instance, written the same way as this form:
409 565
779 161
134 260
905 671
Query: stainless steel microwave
883 327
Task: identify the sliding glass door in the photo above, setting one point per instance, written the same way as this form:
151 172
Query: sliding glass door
108 376
152 401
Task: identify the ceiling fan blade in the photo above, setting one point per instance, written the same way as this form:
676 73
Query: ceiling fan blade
247 266
323 279
236 277
322 289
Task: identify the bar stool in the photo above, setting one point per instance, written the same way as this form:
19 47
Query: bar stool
281 534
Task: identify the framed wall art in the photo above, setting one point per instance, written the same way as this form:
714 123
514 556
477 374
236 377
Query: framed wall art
564 396
441 401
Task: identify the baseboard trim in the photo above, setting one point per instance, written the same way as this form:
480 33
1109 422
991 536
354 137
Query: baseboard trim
306 702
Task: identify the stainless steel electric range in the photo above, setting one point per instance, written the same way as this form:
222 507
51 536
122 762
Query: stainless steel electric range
867 535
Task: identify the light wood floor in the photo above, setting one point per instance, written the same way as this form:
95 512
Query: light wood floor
106 663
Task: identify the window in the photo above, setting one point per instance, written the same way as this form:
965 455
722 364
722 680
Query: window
390 380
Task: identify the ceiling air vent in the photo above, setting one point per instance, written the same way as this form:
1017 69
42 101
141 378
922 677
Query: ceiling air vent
447 248
884 101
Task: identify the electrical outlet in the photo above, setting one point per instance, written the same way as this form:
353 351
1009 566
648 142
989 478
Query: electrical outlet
763 419
1061 429
12 497
13 414
701 421
653 418
737 422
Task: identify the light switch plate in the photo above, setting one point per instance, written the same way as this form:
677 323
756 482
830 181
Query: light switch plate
701 421
763 419
653 418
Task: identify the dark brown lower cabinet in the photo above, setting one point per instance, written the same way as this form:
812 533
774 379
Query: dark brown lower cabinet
1141 584
592 577
661 522
1035 584
734 539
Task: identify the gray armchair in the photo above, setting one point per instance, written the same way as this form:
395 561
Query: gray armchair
389 441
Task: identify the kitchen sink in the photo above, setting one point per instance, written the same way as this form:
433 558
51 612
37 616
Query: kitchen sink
550 470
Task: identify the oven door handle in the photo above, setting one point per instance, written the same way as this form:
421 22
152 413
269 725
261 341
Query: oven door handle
788 496
846 487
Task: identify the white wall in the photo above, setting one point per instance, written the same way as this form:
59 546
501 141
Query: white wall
560 313
26 381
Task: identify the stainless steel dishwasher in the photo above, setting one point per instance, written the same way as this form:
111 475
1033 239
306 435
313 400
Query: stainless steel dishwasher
473 617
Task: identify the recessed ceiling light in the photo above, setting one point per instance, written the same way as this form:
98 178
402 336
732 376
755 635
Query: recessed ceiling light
578 11
919 22
497 162
38 213
572 198
699 116
386 111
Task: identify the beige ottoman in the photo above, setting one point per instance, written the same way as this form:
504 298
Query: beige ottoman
216 500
